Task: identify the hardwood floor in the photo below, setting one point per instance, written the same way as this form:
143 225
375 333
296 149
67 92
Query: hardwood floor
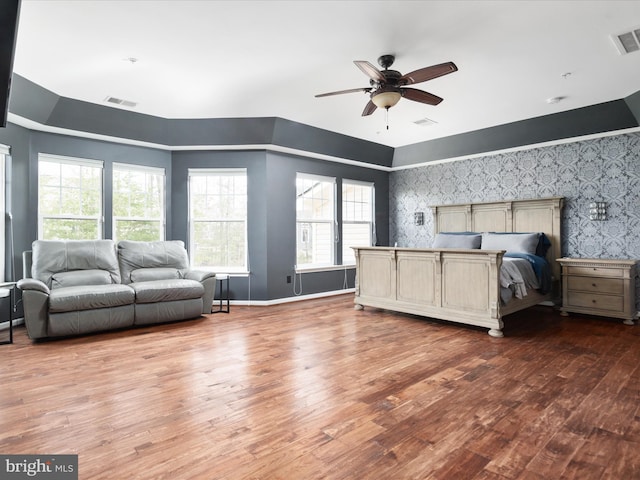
317 390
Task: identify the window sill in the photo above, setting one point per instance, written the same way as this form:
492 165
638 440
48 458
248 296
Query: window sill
328 268
232 274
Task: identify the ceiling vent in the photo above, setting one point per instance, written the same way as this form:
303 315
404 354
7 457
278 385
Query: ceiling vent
425 122
627 42
119 101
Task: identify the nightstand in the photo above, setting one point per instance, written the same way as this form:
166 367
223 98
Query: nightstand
598 286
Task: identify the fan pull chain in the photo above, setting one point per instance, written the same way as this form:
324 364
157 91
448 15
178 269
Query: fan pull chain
387 117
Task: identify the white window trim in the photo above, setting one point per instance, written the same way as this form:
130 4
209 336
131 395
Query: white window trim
163 208
61 159
309 267
70 160
203 172
243 270
328 268
139 168
374 239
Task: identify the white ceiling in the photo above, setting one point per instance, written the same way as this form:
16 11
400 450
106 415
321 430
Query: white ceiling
224 59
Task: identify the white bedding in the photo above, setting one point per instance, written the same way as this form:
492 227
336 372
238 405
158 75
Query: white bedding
516 276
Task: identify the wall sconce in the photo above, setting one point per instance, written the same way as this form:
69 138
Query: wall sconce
418 218
597 211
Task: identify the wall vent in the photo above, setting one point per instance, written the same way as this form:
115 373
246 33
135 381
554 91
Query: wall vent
425 122
119 101
627 42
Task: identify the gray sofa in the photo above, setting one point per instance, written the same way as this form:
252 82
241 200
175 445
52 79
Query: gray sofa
79 286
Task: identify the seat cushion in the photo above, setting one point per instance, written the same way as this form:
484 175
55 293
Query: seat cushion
88 297
167 290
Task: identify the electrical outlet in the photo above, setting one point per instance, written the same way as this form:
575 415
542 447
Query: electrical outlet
288 278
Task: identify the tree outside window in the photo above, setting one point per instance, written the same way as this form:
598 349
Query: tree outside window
218 219
69 198
138 203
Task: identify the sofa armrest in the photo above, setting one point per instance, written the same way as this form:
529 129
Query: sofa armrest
33 284
208 280
199 275
35 301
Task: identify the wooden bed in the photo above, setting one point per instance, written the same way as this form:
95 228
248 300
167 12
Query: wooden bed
458 285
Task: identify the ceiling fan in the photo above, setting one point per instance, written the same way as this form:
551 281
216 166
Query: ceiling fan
389 86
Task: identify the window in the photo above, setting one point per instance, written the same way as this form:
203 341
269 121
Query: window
315 220
138 203
69 198
218 219
357 218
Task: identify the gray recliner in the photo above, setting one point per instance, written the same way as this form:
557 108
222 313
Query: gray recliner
166 288
79 287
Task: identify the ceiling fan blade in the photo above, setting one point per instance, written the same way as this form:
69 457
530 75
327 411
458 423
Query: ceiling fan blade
340 92
420 96
369 108
369 70
427 73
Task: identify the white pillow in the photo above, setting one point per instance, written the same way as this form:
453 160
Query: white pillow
511 242
452 240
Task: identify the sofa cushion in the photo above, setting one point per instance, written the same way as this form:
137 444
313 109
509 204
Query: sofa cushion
149 274
80 277
79 322
55 256
167 290
166 254
88 297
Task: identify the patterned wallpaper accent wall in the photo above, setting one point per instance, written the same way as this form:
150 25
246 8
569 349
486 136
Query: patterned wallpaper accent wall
604 169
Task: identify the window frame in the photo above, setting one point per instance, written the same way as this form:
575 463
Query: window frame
331 222
205 172
82 162
370 222
163 215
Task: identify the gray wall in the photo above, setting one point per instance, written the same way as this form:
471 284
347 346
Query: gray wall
17 195
272 216
604 117
604 169
23 170
578 171
33 102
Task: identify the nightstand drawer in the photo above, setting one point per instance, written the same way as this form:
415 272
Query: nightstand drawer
595 271
610 303
596 285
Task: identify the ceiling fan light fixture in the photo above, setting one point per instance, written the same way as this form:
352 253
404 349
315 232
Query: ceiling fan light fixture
386 99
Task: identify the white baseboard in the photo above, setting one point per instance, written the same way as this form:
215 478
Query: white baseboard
16 322
298 298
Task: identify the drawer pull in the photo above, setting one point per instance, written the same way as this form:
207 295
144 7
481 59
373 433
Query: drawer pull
593 301
593 284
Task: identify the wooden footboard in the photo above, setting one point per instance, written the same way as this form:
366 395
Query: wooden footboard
458 285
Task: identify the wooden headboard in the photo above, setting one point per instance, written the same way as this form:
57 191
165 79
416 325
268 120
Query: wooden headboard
538 215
